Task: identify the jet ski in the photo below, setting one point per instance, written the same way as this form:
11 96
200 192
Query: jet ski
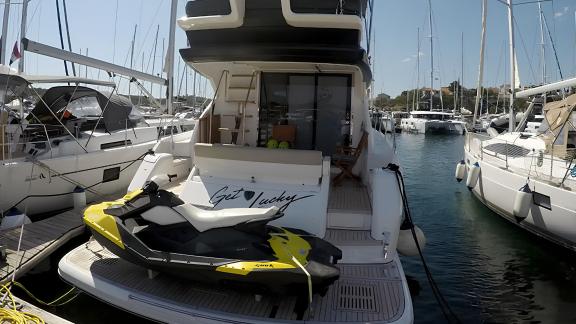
235 247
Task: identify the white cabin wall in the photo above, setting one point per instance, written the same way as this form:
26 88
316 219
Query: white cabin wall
359 107
224 106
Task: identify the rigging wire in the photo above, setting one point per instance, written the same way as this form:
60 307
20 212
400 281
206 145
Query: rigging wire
68 34
115 33
553 47
61 36
525 50
85 188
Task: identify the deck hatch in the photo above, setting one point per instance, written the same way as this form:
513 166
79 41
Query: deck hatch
356 296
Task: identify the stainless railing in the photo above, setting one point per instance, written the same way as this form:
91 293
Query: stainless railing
547 165
15 142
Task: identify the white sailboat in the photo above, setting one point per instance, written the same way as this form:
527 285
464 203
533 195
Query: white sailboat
313 97
529 178
75 137
432 121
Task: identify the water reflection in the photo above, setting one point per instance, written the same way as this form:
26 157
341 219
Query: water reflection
489 270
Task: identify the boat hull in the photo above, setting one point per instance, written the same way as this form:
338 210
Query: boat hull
552 216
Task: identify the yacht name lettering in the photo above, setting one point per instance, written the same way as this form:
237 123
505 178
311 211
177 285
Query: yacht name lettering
283 200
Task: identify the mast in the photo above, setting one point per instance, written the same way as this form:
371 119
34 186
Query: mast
68 34
163 61
431 56
455 94
170 60
461 81
194 90
542 44
481 66
416 97
154 57
22 33
512 66
132 56
3 50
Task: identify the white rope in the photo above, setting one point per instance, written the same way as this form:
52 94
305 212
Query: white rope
309 278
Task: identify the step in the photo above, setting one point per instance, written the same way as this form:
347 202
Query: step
341 237
346 219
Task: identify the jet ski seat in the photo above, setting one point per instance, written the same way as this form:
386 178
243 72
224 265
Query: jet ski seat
204 220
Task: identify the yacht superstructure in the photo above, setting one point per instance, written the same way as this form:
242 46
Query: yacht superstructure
334 176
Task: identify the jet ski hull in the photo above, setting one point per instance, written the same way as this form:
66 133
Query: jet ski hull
255 256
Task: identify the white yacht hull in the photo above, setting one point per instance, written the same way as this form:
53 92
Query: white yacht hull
497 187
60 175
50 177
422 126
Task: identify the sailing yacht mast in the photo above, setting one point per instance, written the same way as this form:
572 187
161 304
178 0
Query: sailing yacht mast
3 49
416 104
170 58
460 83
542 44
481 66
431 56
512 66
418 74
22 33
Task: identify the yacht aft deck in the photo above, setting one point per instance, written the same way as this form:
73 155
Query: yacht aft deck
364 293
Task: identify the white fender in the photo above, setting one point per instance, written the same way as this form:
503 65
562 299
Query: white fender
522 202
460 171
473 175
14 218
79 198
406 244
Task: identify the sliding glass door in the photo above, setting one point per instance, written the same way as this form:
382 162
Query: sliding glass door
317 105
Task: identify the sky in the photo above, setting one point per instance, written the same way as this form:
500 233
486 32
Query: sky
106 27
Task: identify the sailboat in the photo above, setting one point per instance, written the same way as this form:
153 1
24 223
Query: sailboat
336 177
527 178
432 121
72 137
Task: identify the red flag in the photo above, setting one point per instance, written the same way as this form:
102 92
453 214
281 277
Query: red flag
15 53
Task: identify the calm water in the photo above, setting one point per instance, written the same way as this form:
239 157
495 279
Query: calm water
489 270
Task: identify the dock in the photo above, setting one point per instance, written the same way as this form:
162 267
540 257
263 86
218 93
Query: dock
39 240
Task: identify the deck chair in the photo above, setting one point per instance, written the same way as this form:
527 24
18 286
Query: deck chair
345 159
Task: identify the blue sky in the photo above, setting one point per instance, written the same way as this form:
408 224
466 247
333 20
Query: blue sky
92 25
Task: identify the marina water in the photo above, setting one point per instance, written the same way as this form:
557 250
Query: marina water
488 270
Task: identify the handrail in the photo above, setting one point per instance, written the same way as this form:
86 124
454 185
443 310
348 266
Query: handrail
233 20
312 20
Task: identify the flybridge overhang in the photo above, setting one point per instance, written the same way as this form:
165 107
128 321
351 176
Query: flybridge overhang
57 53
220 14
266 33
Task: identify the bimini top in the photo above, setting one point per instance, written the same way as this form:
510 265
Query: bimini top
12 85
275 30
57 101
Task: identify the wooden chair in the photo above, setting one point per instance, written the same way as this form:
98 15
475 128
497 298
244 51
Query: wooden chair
345 159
